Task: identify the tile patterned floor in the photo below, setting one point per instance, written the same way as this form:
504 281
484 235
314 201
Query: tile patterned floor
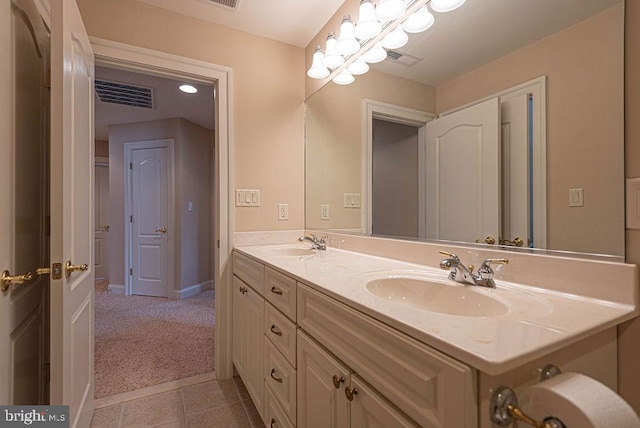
209 404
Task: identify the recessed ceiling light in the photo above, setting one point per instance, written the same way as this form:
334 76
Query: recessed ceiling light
189 89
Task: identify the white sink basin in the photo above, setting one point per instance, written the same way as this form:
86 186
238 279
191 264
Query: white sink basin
441 297
288 250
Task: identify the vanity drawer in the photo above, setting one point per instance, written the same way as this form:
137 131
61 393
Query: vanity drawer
280 376
274 414
280 290
430 387
249 270
281 331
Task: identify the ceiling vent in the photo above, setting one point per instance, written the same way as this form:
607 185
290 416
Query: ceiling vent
229 4
402 58
124 94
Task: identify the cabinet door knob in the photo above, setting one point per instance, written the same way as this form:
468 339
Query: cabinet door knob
276 290
337 380
350 392
275 330
273 422
243 290
274 377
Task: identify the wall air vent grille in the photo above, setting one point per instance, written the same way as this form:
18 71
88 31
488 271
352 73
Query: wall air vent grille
402 58
231 4
124 94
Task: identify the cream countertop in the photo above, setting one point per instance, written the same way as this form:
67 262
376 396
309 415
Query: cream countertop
538 321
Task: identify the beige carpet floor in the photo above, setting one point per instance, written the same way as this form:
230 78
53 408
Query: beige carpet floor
144 341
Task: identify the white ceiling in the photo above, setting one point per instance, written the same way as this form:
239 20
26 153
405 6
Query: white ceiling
295 22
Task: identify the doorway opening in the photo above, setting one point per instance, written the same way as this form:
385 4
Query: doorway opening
154 304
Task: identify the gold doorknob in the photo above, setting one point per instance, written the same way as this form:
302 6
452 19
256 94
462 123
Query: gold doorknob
488 240
104 228
8 280
163 230
70 268
517 242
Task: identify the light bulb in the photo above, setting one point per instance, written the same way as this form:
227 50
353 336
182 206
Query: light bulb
347 43
388 10
367 26
419 21
332 59
318 70
358 67
344 78
395 39
375 54
446 5
188 89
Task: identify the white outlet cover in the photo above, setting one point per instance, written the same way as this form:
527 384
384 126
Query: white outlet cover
283 212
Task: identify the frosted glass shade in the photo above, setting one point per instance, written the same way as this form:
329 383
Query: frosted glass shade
388 10
395 39
367 26
419 21
344 78
358 67
347 43
318 70
332 59
375 54
446 5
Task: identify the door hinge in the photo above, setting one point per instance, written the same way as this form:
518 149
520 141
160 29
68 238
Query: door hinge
130 219
218 243
130 271
131 165
47 83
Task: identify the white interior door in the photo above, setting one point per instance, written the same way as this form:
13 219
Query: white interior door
463 174
24 48
149 220
515 168
101 233
72 204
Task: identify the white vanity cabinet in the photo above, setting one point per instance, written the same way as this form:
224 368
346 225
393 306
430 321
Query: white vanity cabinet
248 317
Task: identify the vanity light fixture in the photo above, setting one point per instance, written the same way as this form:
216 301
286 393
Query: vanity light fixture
377 28
188 89
446 5
332 58
318 70
347 43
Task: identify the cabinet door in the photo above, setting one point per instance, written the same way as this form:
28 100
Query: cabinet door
248 340
320 403
369 409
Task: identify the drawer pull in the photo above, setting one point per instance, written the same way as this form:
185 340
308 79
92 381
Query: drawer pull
275 330
276 290
277 379
273 421
243 290
350 392
337 380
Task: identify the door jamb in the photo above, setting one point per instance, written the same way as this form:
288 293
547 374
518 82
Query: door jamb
128 209
135 58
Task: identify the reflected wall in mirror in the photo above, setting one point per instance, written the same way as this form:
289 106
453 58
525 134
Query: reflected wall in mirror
581 61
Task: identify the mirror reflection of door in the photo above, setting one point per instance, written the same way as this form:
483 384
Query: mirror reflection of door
395 179
24 349
101 233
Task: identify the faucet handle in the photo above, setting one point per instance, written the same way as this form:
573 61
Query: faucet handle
485 270
488 262
450 255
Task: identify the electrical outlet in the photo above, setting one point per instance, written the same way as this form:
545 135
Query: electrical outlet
283 211
324 212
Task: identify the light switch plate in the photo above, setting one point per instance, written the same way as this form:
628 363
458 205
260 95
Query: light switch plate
324 212
352 200
247 198
576 197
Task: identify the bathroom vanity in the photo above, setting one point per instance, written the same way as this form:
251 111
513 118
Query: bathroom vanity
372 332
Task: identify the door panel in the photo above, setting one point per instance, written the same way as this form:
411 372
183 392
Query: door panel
24 45
150 198
72 217
463 174
101 234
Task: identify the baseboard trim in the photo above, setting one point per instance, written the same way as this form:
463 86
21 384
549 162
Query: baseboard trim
192 290
115 289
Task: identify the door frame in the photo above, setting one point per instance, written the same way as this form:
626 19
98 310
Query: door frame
138 59
537 87
128 209
99 162
405 116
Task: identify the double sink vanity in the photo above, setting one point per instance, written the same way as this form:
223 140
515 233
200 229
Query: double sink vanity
372 332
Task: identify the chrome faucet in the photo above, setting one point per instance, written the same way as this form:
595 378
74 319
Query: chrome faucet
464 275
315 243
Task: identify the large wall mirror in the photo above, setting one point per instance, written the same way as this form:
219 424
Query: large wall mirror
384 155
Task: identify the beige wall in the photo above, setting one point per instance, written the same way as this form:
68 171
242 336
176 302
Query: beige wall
584 69
334 146
192 182
268 96
102 148
629 333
